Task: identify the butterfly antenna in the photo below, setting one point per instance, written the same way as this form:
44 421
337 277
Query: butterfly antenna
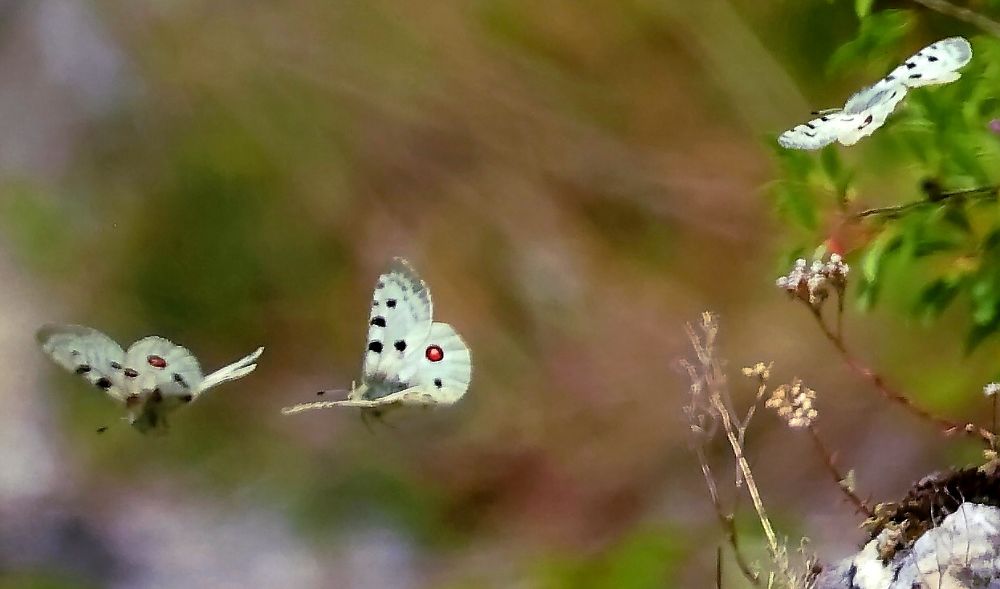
328 391
238 369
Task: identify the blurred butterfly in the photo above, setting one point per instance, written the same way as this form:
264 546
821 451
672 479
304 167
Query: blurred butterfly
410 359
868 109
152 379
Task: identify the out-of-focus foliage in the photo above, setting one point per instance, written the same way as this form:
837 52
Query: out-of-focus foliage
574 180
648 559
932 255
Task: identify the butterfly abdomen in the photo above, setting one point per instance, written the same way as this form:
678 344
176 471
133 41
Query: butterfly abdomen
380 385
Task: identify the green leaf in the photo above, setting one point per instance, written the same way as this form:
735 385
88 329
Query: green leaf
875 258
985 299
863 7
956 217
937 296
978 335
836 173
929 247
795 202
873 264
879 33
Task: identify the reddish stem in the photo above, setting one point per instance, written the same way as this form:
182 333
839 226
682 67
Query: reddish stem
891 394
831 466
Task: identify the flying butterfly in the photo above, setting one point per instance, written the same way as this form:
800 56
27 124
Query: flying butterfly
868 108
410 359
152 379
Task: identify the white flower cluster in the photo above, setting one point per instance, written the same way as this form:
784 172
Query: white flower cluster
794 403
812 283
991 389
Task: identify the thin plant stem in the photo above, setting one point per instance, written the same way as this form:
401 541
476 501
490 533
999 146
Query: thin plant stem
840 313
829 461
963 14
897 210
994 427
744 466
727 520
894 395
718 567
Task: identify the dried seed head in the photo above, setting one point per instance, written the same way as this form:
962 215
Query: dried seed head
991 389
794 404
758 370
812 283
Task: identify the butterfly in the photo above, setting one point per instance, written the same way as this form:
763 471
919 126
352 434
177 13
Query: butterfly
153 378
410 359
868 108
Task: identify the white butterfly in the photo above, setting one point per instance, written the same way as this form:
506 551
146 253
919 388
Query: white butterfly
868 109
410 359
151 380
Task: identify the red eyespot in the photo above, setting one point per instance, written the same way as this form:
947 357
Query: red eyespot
156 361
434 353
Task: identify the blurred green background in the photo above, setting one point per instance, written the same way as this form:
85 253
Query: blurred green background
574 179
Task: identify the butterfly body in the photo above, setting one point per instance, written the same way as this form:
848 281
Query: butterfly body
152 379
868 109
409 358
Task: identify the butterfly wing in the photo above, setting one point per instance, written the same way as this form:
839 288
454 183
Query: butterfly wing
401 313
869 108
441 368
410 360
89 353
162 376
166 376
158 364
935 64
434 371
817 133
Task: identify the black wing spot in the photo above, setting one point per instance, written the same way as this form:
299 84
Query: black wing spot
116 366
74 353
824 118
889 78
400 345
131 373
180 380
910 65
810 125
375 347
103 383
915 76
187 398
808 134
379 321
391 303
82 369
437 382
931 58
